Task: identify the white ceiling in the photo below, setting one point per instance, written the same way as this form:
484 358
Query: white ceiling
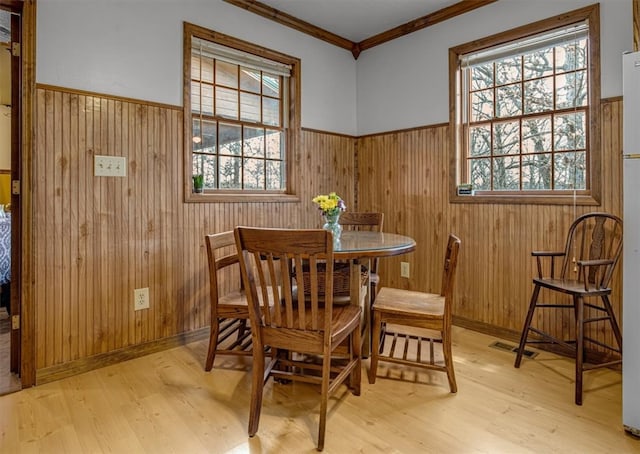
357 20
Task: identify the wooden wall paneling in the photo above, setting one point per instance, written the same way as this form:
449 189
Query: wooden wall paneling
74 172
130 229
326 165
80 250
98 238
164 298
69 167
40 256
87 186
54 208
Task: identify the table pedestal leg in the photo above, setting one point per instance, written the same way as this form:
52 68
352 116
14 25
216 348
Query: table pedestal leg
359 295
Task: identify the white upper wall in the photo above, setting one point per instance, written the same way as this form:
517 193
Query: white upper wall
405 83
133 48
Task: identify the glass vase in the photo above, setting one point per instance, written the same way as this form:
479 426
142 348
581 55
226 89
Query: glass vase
332 225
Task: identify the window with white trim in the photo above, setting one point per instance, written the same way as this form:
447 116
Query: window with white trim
238 105
524 124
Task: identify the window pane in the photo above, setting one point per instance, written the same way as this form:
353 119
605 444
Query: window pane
253 174
569 170
230 172
271 111
482 105
197 135
254 142
275 175
195 97
538 63
536 172
207 70
571 90
249 107
230 142
536 135
275 144
508 71
506 174
482 76
538 95
226 103
506 138
205 165
270 85
569 131
571 56
207 99
481 174
195 67
226 74
480 140
209 136
250 80
509 102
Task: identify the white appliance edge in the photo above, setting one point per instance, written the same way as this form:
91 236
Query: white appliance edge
631 248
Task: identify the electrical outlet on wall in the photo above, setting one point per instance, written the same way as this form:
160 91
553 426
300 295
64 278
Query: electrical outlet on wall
141 298
404 269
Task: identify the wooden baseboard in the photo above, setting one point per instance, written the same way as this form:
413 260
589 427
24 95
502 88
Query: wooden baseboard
514 336
486 328
59 371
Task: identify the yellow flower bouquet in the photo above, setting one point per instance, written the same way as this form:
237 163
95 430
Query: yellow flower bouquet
330 205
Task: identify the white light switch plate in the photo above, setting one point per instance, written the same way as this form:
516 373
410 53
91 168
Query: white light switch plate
109 166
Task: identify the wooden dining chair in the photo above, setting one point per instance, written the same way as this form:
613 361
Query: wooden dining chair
297 324
592 250
368 221
229 334
412 318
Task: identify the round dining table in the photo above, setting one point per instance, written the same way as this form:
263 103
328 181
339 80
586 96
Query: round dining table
360 247
357 244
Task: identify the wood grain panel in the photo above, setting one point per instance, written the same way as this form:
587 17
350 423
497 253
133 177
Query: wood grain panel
98 238
405 175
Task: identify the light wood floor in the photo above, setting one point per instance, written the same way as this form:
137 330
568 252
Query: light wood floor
166 403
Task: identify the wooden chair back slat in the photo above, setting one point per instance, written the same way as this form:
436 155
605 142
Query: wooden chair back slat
360 220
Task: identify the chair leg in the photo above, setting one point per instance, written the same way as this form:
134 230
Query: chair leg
324 398
355 378
213 343
242 327
527 324
579 305
448 361
257 386
375 348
